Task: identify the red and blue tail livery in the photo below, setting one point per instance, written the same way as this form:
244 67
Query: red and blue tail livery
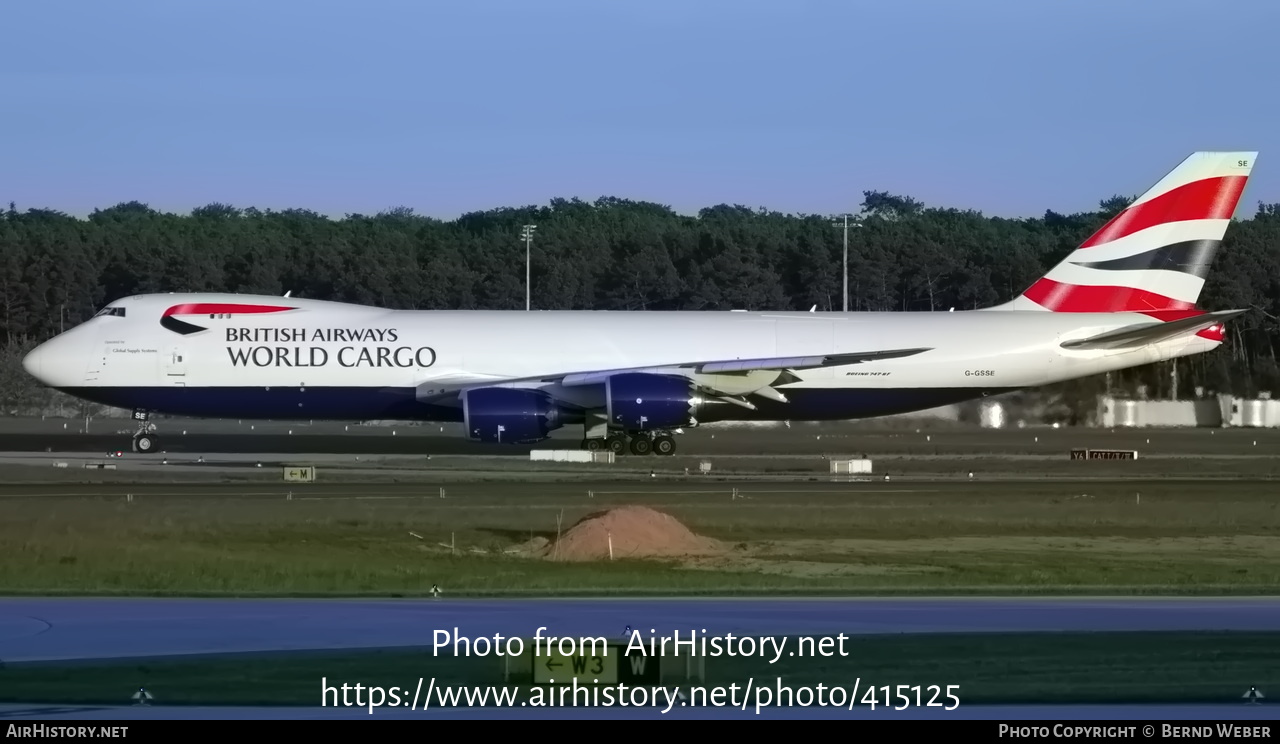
1153 256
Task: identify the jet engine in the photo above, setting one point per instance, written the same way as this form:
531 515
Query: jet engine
642 402
510 415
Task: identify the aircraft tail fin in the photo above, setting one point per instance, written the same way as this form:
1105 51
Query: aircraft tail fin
1154 256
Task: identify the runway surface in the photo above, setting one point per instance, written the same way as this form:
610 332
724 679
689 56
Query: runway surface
333 468
1139 714
211 437
190 464
37 629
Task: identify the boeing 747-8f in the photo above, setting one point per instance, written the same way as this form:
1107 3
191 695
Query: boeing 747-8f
1126 297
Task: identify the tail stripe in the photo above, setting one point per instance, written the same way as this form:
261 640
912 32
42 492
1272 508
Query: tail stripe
1206 199
1068 298
1073 298
1154 237
1175 284
1188 257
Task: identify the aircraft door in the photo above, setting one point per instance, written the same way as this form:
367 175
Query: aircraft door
175 365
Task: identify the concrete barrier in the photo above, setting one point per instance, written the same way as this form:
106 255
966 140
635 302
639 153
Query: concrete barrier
844 467
570 456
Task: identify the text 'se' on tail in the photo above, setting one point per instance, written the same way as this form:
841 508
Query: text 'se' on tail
1154 256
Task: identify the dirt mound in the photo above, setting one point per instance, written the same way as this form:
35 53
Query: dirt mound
635 532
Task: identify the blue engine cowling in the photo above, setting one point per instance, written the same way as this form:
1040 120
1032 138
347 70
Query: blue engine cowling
643 402
509 415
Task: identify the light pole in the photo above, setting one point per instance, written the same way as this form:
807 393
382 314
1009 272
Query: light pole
527 234
842 220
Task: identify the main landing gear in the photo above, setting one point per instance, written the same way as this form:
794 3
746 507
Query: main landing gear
144 441
637 442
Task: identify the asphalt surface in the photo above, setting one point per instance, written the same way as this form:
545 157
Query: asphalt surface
204 436
47 629
1263 713
250 443
348 468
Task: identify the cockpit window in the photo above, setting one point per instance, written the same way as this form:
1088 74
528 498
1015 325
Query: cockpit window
116 311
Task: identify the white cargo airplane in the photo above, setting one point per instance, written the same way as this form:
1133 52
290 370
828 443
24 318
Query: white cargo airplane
1126 297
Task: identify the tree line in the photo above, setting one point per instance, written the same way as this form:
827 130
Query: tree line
57 270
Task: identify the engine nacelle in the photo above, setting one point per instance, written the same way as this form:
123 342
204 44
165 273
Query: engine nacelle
641 402
509 415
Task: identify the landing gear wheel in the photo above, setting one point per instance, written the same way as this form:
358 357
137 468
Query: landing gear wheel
664 444
593 445
144 443
641 446
616 445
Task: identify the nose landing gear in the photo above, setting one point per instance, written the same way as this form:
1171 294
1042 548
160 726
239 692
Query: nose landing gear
144 441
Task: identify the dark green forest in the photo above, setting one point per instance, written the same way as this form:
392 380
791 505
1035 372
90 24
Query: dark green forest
612 254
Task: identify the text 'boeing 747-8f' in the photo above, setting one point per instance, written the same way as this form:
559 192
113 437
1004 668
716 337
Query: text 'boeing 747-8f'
1126 297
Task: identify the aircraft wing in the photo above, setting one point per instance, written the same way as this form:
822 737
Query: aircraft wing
1150 333
738 366
718 376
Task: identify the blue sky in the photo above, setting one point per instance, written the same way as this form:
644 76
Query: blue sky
1010 107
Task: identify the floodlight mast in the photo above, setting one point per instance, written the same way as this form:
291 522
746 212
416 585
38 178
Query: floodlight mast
527 234
842 220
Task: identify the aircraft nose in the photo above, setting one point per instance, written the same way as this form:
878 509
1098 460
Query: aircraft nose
55 362
33 362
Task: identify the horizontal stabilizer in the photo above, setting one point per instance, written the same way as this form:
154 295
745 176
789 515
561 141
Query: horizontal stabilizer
1150 333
